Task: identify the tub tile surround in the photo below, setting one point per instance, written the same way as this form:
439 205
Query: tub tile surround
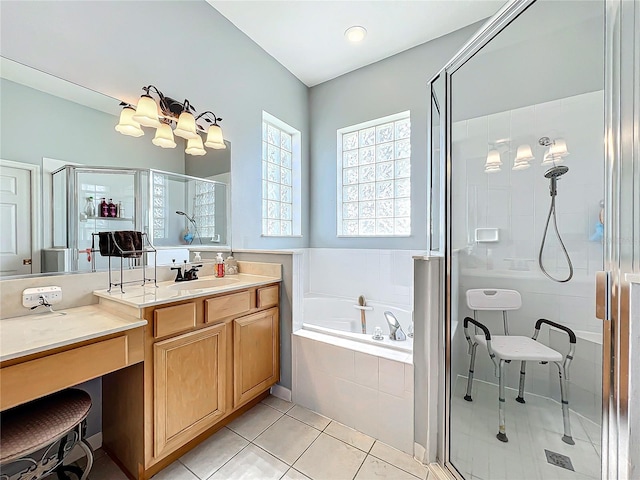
342 389
367 387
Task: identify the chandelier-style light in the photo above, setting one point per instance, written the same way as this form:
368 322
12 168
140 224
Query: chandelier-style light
162 114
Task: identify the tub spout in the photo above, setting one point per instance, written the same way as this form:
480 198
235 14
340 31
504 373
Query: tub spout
395 330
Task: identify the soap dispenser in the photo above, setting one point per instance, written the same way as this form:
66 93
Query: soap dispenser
219 270
231 265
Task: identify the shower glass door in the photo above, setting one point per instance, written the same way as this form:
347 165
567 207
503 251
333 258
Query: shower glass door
523 194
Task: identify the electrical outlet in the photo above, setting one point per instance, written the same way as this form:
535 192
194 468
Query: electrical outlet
31 297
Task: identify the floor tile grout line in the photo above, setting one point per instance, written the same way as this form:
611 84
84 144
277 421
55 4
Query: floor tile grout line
397 466
232 457
297 458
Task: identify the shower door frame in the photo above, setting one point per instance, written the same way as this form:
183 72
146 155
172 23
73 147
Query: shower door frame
621 168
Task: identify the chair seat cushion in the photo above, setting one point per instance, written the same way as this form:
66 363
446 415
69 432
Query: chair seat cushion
515 347
34 425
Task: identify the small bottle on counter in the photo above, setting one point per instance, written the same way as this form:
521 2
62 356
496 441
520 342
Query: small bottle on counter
120 210
219 268
230 265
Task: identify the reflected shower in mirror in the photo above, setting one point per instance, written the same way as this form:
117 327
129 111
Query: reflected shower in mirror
47 123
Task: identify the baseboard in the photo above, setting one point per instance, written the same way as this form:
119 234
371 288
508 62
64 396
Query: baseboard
77 453
419 452
281 392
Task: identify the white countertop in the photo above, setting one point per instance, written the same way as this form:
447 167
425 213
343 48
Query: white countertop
20 336
145 296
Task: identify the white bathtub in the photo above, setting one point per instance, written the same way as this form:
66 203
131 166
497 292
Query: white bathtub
340 317
349 377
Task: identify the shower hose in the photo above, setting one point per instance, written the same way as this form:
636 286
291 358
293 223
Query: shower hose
552 212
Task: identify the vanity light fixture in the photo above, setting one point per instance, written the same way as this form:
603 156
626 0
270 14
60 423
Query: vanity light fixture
523 157
162 114
355 34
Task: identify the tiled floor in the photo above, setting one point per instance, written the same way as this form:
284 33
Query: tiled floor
531 428
280 440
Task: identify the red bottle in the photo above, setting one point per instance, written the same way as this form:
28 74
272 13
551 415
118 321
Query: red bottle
104 208
113 210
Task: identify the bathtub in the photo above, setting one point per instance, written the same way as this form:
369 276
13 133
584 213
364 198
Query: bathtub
340 317
346 375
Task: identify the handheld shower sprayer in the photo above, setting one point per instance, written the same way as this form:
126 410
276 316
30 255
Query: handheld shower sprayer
195 227
553 174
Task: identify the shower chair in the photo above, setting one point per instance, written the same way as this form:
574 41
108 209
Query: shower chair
506 348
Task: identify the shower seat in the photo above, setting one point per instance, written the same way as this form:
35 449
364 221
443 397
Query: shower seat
503 349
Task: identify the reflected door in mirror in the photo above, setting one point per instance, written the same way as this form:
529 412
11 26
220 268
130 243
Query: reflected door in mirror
15 221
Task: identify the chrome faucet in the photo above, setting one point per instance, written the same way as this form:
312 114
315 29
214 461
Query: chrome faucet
395 330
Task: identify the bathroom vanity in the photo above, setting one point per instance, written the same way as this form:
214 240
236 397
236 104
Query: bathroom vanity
178 361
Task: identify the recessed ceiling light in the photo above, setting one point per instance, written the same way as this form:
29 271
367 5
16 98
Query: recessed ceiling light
355 33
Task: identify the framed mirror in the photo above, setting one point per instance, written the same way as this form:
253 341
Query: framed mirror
47 123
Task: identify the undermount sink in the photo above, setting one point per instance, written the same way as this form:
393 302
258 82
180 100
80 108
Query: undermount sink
204 283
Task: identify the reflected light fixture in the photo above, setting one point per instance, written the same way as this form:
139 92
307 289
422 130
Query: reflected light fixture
523 157
355 34
492 165
556 152
162 114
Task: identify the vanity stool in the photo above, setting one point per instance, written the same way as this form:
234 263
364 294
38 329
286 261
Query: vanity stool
53 424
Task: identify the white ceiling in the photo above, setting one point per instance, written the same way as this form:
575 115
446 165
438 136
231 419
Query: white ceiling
307 37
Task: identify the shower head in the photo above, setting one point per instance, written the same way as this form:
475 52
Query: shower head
188 217
555 172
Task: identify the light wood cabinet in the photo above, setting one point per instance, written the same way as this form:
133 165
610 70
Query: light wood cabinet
255 354
189 385
206 361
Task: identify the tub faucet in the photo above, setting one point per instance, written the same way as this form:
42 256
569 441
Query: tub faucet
395 330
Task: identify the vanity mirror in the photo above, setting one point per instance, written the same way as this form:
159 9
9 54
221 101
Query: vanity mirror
47 123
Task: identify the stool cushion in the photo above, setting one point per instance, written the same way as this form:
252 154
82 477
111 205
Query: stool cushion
29 427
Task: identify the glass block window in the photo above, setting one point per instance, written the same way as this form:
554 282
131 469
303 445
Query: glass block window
374 178
280 178
159 197
204 208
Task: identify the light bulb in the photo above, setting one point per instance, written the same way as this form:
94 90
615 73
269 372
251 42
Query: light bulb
195 147
186 127
127 125
147 112
355 33
164 137
214 138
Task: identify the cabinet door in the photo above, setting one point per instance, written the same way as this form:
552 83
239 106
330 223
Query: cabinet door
189 386
255 354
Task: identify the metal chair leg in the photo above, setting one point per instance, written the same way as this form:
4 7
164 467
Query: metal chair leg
502 430
472 362
520 397
566 438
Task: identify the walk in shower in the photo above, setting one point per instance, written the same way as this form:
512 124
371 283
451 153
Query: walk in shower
517 210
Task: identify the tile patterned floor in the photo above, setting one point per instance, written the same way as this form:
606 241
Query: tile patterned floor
281 440
531 428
